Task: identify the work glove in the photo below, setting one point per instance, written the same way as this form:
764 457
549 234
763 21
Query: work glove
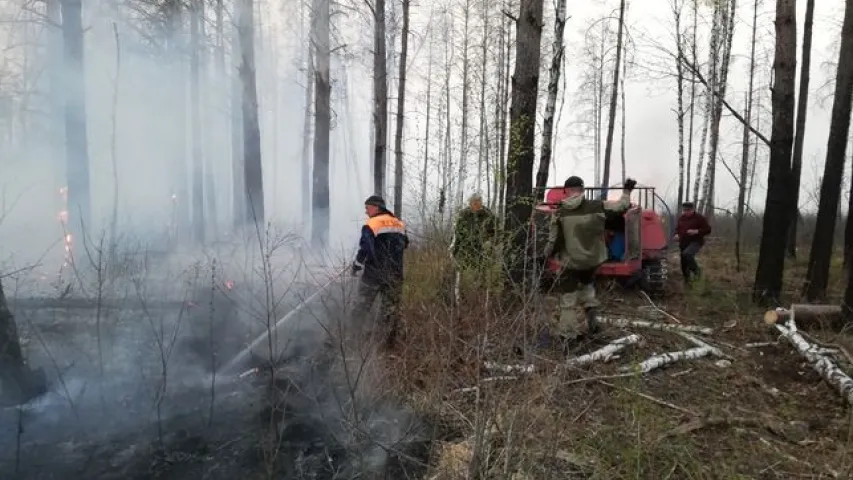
356 267
629 184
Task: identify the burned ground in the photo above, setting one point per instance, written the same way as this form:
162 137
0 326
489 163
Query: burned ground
114 411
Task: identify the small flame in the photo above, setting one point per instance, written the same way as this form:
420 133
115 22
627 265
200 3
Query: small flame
229 284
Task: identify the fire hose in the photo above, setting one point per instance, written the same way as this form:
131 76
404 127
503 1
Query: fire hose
246 352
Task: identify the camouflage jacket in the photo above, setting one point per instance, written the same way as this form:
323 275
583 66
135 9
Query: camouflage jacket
472 231
576 234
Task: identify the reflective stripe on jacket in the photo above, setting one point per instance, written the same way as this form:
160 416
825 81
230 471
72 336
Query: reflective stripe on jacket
383 240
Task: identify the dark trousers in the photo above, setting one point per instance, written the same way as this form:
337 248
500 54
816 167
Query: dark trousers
689 266
390 294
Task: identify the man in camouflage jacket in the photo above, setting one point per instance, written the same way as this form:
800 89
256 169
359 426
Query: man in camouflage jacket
474 229
576 240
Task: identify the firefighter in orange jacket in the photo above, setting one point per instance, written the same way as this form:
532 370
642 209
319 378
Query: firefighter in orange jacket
380 256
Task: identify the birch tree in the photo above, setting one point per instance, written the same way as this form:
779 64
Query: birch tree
744 162
725 11
551 102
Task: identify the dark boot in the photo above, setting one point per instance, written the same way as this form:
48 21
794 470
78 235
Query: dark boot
592 324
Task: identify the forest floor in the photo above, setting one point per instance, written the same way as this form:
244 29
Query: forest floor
757 413
430 409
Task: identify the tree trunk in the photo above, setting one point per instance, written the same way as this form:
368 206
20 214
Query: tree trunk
503 102
195 115
380 98
483 157
425 172
820 254
622 123
175 50
322 123
771 257
464 146
17 382
525 83
551 103
56 95
617 67
253 172
800 134
401 104
237 159
305 184
727 11
695 60
76 136
679 72
744 162
209 147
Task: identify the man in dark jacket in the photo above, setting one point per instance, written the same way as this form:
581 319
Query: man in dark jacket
691 230
380 256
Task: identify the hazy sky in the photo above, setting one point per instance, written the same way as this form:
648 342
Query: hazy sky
652 136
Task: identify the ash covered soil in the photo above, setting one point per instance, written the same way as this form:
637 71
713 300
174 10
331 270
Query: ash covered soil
114 411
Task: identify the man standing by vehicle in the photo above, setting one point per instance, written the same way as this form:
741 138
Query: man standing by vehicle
380 254
576 239
691 230
472 238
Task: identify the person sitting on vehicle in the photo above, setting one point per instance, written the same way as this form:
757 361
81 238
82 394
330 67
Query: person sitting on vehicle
614 223
691 230
576 239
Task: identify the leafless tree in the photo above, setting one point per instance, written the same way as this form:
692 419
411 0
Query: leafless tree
771 257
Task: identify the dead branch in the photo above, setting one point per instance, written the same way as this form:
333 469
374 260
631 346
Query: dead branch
657 361
667 327
819 362
695 71
605 353
727 421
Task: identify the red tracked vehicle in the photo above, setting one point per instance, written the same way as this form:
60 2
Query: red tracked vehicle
636 240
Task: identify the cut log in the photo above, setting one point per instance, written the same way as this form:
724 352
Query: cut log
605 353
667 327
819 362
808 316
658 361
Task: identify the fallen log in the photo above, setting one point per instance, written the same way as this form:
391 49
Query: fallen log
657 361
819 362
808 316
667 327
606 352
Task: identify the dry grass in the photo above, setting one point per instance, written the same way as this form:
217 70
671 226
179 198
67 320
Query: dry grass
765 415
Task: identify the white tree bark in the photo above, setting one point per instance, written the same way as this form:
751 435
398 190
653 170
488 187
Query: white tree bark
667 327
658 361
819 362
605 353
